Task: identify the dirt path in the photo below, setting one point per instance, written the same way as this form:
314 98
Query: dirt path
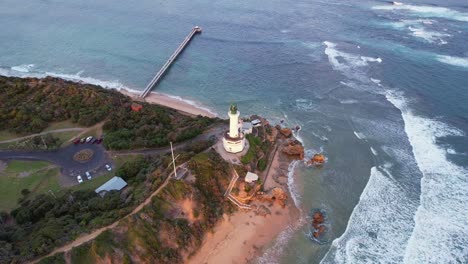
88 237
97 126
44 133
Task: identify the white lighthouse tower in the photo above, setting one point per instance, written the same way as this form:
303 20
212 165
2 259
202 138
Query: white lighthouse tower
234 140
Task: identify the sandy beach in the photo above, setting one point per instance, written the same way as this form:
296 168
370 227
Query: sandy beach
175 102
243 236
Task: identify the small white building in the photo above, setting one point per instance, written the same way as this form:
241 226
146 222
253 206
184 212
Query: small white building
251 177
116 183
256 123
247 128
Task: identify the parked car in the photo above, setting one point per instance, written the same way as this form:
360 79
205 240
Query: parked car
80 180
88 139
83 140
77 141
99 141
94 141
88 175
108 167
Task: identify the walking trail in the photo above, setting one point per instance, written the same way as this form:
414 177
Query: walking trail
43 133
88 237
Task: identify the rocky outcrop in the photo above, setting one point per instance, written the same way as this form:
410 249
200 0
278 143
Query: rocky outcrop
317 223
294 149
287 132
277 194
317 159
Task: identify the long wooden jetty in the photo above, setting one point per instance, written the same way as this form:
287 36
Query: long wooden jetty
169 62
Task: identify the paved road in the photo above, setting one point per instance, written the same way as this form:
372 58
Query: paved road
43 133
62 157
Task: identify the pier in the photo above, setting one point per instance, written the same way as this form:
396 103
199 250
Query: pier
169 62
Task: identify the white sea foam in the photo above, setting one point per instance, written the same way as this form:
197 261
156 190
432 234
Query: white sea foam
429 36
455 61
359 135
295 195
427 11
379 226
25 71
374 151
440 234
273 254
349 101
417 28
348 60
451 151
23 68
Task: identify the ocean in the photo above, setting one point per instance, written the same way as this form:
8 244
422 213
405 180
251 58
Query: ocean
380 89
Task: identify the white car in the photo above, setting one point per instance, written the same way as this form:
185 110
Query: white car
88 175
88 139
108 167
80 180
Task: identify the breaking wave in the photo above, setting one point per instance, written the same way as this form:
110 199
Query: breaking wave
440 234
375 234
455 61
427 11
295 195
26 70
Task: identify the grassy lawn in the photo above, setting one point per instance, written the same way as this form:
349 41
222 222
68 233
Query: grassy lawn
60 125
17 166
40 180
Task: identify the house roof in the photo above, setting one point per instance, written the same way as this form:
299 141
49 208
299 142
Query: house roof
250 177
116 183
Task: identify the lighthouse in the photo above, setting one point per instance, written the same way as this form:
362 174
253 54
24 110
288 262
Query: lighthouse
234 140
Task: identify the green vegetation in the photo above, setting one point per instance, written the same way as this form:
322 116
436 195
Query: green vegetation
160 233
33 176
50 220
6 135
61 125
44 142
55 259
31 105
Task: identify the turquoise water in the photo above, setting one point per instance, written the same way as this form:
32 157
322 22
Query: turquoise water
380 89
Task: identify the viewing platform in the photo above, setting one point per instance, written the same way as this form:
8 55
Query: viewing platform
169 62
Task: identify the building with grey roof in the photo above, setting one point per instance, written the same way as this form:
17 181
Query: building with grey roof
116 183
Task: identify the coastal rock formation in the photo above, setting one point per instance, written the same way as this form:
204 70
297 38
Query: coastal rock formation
317 223
277 194
295 149
287 132
317 159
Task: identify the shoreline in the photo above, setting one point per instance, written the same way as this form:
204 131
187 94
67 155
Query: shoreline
245 236
175 102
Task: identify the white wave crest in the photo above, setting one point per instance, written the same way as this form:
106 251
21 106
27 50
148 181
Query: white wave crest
455 61
379 226
272 255
429 36
427 11
359 135
440 234
374 151
291 184
23 68
348 60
